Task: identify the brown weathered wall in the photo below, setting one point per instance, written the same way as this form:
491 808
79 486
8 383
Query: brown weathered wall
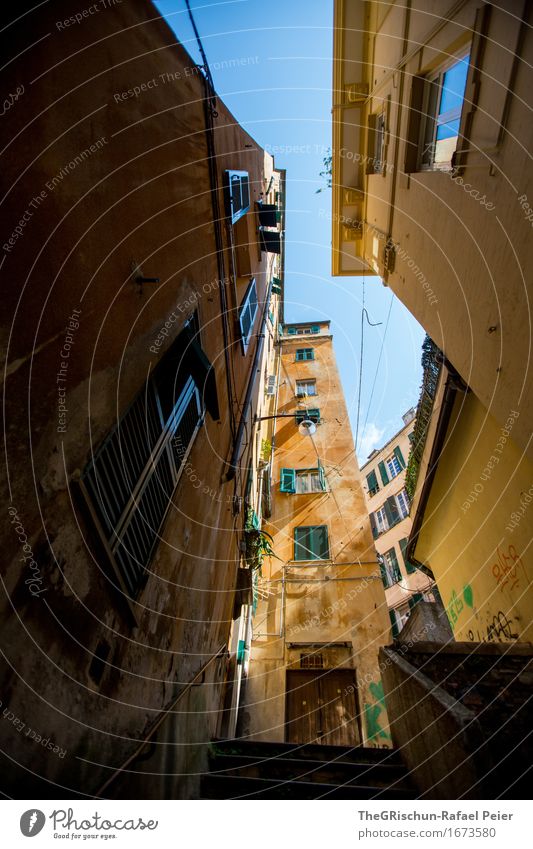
142 195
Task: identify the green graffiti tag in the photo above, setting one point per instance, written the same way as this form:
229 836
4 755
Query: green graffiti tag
456 604
373 712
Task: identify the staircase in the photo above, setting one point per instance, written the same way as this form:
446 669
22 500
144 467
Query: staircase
252 770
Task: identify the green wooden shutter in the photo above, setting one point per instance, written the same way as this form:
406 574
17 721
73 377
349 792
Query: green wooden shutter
310 353
399 456
395 567
383 473
321 476
384 576
394 624
299 354
391 511
320 545
408 565
287 481
315 329
413 600
373 526
291 331
372 482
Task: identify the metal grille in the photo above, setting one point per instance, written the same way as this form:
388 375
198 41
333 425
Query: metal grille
132 478
311 661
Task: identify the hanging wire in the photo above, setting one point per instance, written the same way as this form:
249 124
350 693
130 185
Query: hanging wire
378 365
364 314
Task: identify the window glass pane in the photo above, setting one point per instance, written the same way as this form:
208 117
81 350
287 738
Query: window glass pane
453 86
448 130
315 481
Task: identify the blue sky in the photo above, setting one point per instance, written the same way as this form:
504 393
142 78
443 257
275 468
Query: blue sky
280 91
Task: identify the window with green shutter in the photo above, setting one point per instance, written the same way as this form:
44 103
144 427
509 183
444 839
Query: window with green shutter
305 354
391 568
394 624
372 482
408 565
383 473
391 511
313 415
414 599
291 331
315 329
399 455
311 543
287 482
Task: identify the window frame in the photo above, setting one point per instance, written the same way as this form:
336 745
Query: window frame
433 83
297 544
310 474
305 357
229 176
250 306
390 463
309 382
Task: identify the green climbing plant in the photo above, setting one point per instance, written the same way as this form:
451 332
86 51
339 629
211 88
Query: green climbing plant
327 171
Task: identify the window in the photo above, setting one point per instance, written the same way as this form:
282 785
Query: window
402 501
376 143
441 109
398 618
310 480
393 466
305 388
237 192
131 479
311 661
302 480
408 565
247 314
382 524
312 415
390 571
305 354
372 483
311 543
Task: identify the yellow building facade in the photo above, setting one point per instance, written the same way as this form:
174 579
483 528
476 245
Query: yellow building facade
389 510
320 611
430 165
472 518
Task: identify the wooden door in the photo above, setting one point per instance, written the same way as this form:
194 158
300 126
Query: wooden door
322 707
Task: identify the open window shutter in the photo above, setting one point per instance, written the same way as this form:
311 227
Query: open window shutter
372 481
384 576
391 510
413 600
395 567
383 473
202 371
310 353
314 415
315 328
291 331
413 127
321 476
394 624
409 566
287 480
373 526
399 456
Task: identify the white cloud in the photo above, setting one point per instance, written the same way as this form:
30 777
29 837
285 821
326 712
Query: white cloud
371 438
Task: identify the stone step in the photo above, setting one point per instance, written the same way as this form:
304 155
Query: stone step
310 770
235 787
339 754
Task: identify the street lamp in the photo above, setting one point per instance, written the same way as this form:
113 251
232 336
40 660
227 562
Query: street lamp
306 427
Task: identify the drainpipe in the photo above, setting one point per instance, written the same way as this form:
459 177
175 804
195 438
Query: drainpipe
233 464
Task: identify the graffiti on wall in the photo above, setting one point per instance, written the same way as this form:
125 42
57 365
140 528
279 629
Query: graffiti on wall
509 569
497 630
375 713
457 603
